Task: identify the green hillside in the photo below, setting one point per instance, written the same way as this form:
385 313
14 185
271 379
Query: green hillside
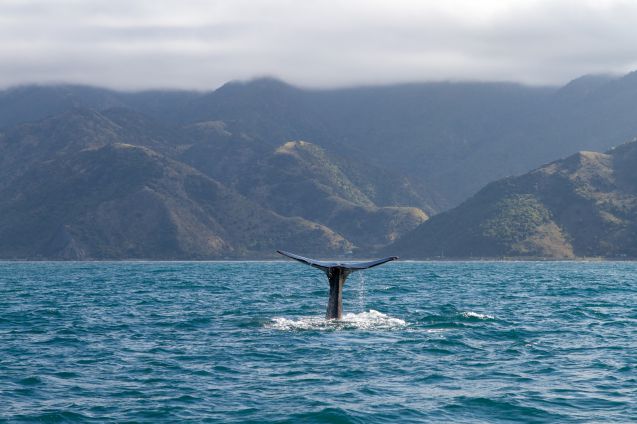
582 206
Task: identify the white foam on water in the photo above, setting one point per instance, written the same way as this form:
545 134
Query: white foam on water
371 320
374 319
470 314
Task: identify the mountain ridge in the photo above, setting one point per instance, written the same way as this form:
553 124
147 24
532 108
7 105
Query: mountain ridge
362 166
448 138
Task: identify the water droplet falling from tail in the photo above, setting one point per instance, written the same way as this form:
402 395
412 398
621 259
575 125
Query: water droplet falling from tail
361 292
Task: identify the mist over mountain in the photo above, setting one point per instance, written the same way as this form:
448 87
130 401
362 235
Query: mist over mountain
342 170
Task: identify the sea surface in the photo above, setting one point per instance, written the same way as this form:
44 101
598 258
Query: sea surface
247 342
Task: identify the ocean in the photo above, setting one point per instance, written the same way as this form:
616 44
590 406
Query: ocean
247 342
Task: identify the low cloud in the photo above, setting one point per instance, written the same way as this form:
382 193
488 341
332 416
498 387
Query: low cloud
322 43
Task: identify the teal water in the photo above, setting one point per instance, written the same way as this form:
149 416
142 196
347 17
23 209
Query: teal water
247 342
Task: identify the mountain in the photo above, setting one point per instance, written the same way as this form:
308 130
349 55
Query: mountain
123 201
300 179
367 205
581 206
363 166
424 132
446 139
117 184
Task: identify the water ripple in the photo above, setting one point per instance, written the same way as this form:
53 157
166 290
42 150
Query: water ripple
247 343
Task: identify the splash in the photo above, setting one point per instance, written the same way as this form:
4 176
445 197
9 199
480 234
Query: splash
470 314
371 320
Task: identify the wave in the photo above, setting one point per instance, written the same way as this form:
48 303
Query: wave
470 314
370 320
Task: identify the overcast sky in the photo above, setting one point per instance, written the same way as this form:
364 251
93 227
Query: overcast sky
135 44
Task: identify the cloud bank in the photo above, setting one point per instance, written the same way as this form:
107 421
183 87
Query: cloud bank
200 44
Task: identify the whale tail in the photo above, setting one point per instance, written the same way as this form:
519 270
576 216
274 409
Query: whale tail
337 273
325 266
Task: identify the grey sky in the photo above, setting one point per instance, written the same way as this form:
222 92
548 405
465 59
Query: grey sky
133 44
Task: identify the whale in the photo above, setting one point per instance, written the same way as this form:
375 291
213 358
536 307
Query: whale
337 273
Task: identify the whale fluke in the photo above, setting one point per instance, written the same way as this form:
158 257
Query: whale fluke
337 273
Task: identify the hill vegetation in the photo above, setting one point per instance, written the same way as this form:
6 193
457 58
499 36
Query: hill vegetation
343 171
581 206
114 185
